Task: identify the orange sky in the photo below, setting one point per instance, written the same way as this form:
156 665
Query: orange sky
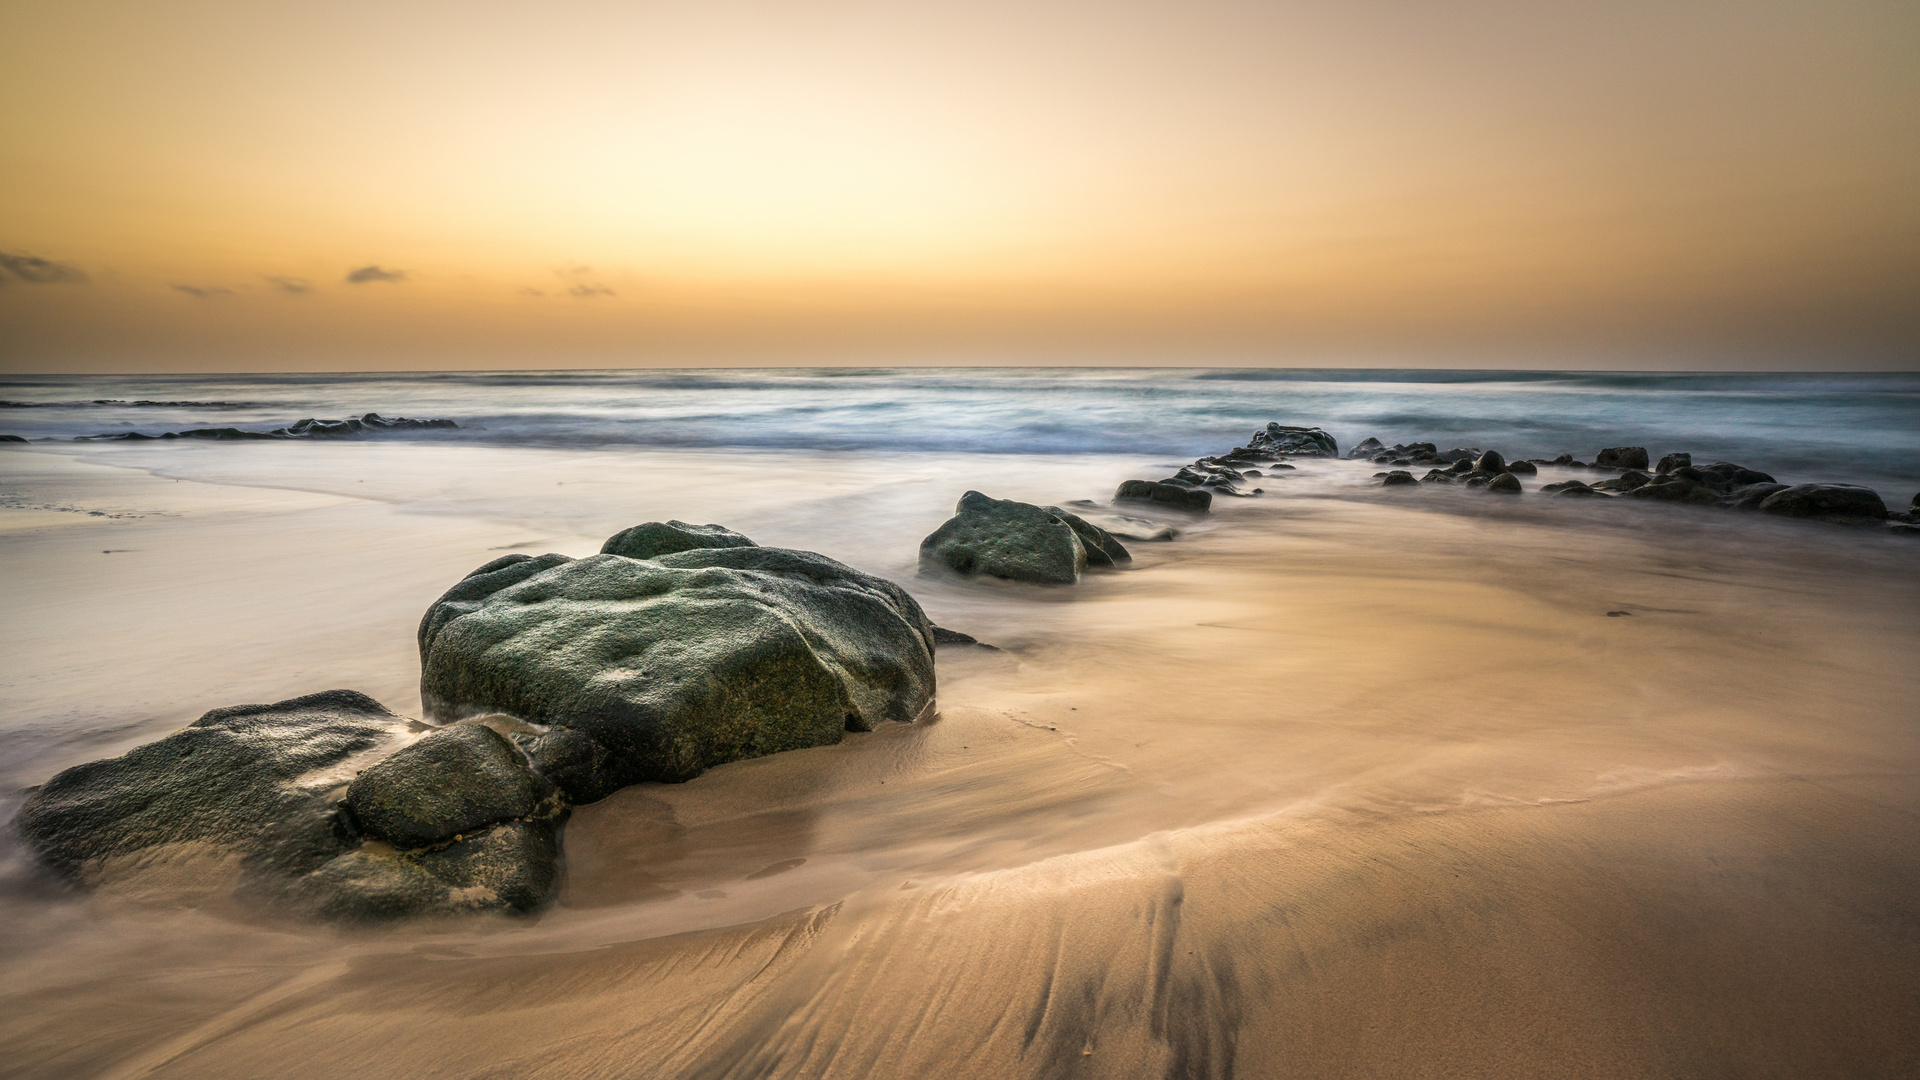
190 185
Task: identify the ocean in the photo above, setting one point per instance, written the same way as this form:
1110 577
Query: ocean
1848 428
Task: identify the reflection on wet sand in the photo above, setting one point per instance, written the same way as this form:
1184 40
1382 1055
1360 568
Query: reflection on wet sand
1339 785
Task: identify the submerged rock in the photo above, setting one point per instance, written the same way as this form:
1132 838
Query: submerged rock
1005 539
1506 483
666 537
678 663
1841 501
1173 495
1396 478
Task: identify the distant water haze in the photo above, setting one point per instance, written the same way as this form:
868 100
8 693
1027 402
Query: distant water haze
1858 428
230 186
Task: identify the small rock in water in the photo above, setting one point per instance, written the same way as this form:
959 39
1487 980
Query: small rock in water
1506 483
1396 478
1173 495
1672 462
1837 501
1622 457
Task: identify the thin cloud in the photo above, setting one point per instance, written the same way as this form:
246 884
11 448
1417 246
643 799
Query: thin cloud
579 286
369 273
531 291
203 292
293 285
39 271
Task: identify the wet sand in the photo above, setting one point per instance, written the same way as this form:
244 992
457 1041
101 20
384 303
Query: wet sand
1344 783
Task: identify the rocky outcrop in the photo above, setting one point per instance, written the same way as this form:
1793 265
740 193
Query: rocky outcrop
668 666
1278 438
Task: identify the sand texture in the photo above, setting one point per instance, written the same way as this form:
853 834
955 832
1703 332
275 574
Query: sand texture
1340 784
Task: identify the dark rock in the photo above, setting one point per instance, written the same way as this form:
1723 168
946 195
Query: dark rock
1005 539
1366 448
1102 549
1673 489
512 866
1522 468
1173 495
1437 476
1751 496
1841 501
1506 482
1914 506
685 661
1477 480
1626 481
1672 462
1622 457
1299 441
1567 487
1563 459
12 439
1461 466
455 780
1397 477
1459 454
581 768
1490 463
667 537
249 779
306 429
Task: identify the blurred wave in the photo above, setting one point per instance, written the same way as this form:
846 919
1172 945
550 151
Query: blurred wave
1860 428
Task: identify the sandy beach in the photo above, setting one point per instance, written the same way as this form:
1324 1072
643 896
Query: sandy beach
1338 784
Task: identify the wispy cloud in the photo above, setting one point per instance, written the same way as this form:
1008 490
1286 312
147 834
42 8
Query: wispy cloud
578 284
203 292
294 285
531 291
368 273
39 271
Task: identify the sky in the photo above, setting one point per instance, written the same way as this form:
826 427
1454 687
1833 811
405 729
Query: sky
213 185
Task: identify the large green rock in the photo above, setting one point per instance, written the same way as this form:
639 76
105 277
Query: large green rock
1006 539
676 663
252 780
454 823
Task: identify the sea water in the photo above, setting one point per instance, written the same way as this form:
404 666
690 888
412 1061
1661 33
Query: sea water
1859 428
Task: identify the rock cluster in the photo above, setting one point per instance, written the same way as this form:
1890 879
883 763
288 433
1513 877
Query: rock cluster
1193 487
305 429
555 680
1674 479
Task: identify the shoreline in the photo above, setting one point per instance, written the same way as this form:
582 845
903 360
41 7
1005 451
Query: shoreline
1401 672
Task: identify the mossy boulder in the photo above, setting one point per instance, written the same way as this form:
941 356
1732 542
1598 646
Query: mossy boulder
1005 539
252 780
676 663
